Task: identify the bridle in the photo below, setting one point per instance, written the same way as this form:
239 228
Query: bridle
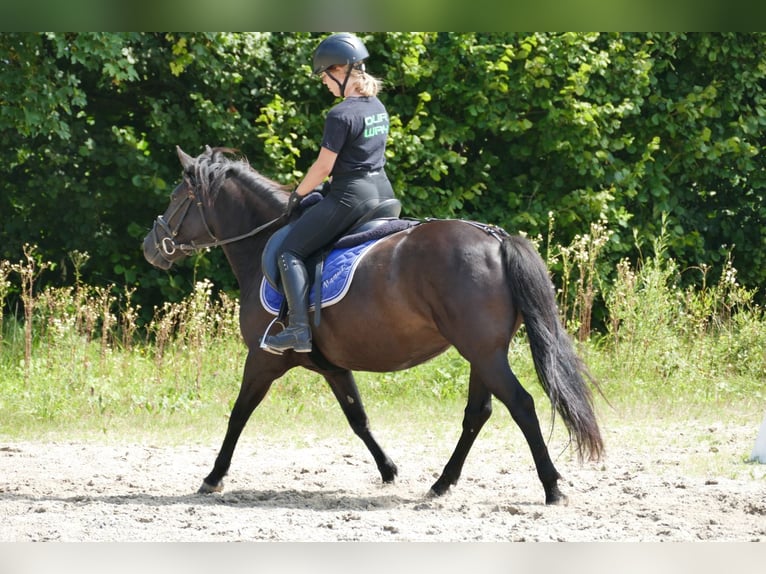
167 246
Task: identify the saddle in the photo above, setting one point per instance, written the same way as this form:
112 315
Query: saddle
381 221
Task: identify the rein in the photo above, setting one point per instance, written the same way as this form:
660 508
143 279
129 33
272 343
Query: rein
168 246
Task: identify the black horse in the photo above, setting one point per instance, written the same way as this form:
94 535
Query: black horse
417 292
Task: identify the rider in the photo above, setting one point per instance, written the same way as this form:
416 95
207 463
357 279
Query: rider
352 154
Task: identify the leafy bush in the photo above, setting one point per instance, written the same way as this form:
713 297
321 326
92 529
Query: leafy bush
614 129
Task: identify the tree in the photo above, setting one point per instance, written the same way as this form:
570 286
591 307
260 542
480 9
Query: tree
500 127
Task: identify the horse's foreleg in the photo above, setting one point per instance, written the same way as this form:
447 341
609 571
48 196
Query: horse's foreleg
344 387
507 388
251 393
477 412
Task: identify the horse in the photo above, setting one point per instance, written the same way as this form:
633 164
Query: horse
439 284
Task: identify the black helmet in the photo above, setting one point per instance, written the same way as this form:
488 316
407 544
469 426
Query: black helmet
338 50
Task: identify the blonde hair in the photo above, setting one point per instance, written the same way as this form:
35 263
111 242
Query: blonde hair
367 84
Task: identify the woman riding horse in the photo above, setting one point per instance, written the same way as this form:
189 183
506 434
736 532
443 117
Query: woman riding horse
353 155
416 293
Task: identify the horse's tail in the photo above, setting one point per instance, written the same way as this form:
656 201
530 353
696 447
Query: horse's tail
561 371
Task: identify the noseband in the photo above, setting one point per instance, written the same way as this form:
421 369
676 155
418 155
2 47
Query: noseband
167 246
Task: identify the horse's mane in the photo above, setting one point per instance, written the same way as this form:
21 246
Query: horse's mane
215 165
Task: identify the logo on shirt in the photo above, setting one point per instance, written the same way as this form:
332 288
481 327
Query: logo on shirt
376 124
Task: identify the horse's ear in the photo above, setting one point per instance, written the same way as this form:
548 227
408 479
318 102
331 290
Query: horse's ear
185 158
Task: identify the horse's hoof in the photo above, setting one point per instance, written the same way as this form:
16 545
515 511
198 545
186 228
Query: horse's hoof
208 489
389 473
438 490
557 499
436 493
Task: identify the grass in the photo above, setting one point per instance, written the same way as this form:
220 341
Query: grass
76 365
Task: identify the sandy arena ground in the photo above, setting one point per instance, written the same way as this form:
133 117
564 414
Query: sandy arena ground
331 491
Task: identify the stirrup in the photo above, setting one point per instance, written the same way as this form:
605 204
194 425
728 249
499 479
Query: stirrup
263 344
290 341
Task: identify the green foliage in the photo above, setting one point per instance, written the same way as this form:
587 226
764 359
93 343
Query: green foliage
614 129
680 345
80 363
89 369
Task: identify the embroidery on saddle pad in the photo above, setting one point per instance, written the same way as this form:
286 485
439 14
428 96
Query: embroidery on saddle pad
339 268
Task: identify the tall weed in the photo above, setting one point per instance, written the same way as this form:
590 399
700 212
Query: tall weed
5 285
580 281
665 343
78 359
81 363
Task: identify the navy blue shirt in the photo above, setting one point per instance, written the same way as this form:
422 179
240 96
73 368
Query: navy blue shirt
356 129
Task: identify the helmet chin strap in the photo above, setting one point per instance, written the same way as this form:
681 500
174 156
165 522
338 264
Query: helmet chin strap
342 85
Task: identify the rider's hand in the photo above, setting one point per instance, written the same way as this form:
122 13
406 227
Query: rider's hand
294 200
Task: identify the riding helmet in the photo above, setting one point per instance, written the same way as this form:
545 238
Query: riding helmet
339 50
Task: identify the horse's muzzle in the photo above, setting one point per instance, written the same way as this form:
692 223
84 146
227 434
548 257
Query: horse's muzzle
159 248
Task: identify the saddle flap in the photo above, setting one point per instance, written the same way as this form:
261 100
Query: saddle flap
269 256
369 225
339 269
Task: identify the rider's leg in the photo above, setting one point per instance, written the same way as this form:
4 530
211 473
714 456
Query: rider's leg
295 284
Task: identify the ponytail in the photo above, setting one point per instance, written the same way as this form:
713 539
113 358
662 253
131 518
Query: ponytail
367 84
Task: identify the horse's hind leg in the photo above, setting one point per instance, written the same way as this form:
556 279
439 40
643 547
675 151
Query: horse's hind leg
477 412
496 374
344 387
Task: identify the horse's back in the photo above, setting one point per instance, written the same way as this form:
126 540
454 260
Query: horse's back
418 292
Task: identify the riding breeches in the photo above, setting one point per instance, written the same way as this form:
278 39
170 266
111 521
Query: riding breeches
350 197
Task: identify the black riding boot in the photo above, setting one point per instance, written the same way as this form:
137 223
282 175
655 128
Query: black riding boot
295 284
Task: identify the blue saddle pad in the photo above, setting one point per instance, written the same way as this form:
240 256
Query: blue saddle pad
339 268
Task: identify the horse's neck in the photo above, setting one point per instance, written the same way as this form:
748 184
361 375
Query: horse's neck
244 258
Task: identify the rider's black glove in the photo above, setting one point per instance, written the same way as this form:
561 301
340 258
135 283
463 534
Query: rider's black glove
294 200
